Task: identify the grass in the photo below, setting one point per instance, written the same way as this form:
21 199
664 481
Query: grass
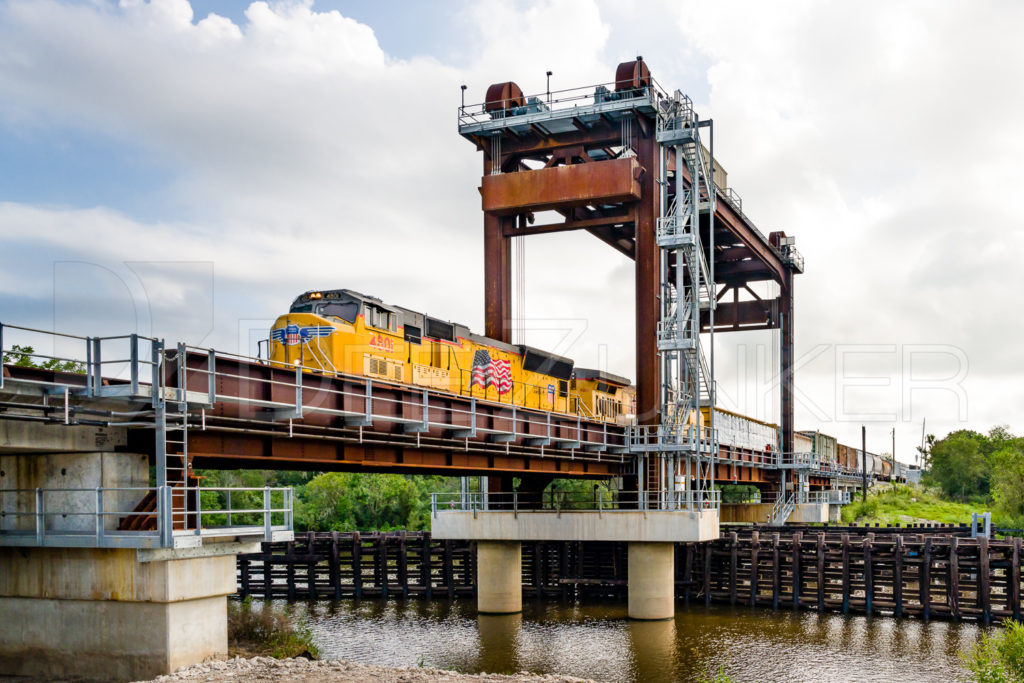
267 631
904 504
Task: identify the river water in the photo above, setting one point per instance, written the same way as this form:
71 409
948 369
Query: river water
598 641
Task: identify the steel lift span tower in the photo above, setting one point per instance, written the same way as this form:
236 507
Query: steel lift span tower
633 166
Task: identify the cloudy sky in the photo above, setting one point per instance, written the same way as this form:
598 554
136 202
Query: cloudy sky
185 170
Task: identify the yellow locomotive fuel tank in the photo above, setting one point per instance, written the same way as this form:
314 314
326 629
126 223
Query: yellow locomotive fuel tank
345 332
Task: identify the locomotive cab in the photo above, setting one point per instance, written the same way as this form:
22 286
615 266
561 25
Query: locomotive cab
605 396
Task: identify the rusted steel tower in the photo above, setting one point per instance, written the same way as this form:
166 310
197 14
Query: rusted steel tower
593 156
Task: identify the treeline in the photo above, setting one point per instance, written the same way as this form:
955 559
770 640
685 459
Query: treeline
351 501
981 468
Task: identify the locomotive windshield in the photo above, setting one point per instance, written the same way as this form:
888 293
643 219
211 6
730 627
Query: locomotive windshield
346 310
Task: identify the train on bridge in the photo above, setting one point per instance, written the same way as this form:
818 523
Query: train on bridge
341 331
344 332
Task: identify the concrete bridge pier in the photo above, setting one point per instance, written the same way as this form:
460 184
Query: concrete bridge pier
499 577
651 583
651 536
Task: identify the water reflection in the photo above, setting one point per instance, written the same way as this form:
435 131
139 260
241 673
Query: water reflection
653 650
598 641
499 642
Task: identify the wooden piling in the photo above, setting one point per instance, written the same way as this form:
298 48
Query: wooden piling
733 564
796 570
776 572
753 567
953 582
820 549
984 596
846 573
869 586
896 572
926 578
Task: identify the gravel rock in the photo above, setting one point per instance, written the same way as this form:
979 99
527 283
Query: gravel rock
341 671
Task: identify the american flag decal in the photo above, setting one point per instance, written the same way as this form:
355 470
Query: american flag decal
491 373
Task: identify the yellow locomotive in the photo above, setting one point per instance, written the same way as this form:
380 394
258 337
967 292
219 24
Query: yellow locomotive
344 332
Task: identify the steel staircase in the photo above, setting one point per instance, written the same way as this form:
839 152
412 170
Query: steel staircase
782 510
686 446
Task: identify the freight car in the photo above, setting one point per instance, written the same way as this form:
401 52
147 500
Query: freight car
341 331
823 445
740 431
847 456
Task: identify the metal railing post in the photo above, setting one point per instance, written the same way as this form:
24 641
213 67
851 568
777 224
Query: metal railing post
229 507
99 517
181 393
97 366
199 510
133 359
1 354
268 535
169 516
369 399
211 364
433 505
157 379
40 521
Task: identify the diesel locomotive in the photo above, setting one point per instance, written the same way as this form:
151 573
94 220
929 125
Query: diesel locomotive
341 331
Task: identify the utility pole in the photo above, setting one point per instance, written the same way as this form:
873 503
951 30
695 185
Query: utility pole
894 452
920 452
863 463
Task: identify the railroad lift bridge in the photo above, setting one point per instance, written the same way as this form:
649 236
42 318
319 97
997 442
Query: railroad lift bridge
103 519
634 166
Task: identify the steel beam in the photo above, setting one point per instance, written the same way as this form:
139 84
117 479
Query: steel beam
603 182
763 314
786 369
497 278
648 274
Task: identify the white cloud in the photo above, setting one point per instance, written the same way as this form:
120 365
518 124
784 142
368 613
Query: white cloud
882 135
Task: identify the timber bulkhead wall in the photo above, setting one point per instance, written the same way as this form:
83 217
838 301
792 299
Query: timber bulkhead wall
925 572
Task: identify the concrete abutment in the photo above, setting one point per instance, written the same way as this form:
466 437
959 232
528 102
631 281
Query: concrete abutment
98 612
112 613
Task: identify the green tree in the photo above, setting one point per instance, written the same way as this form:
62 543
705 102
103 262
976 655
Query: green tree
25 357
1008 481
959 464
345 501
